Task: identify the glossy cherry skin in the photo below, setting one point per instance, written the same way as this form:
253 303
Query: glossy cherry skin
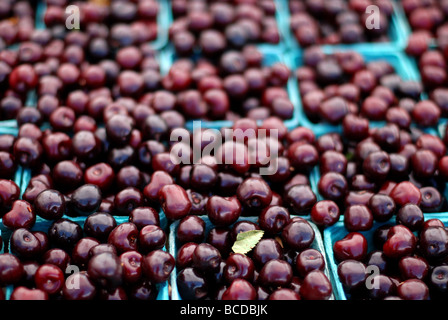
49 278
64 233
352 246
240 289
413 268
309 260
352 274
276 273
325 213
132 266
238 266
206 258
101 175
439 280
434 243
191 229
413 289
406 192
25 244
219 237
316 286
158 265
124 237
382 207
266 250
284 294
50 204
192 284
151 238
86 199
400 242
174 201
127 200
11 269
298 234
57 257
223 211
300 199
411 216
99 225
106 270
358 218
80 254
333 186
24 293
254 193
21 216
273 219
9 192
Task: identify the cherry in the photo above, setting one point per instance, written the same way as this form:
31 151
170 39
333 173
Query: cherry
11 269
64 233
206 258
21 215
240 289
106 270
316 286
223 211
433 243
273 219
298 234
192 285
352 274
413 268
325 213
238 266
99 225
174 201
254 193
49 278
400 242
352 246
24 293
413 289
157 266
191 229
276 273
25 244
124 237
132 266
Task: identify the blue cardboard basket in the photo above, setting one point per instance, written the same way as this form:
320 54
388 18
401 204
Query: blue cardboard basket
44 225
338 231
399 32
174 246
399 60
271 55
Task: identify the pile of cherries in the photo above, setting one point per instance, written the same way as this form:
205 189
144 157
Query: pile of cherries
282 265
213 28
335 85
17 20
99 142
239 85
409 262
338 22
102 259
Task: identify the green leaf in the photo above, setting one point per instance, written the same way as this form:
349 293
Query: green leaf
246 241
